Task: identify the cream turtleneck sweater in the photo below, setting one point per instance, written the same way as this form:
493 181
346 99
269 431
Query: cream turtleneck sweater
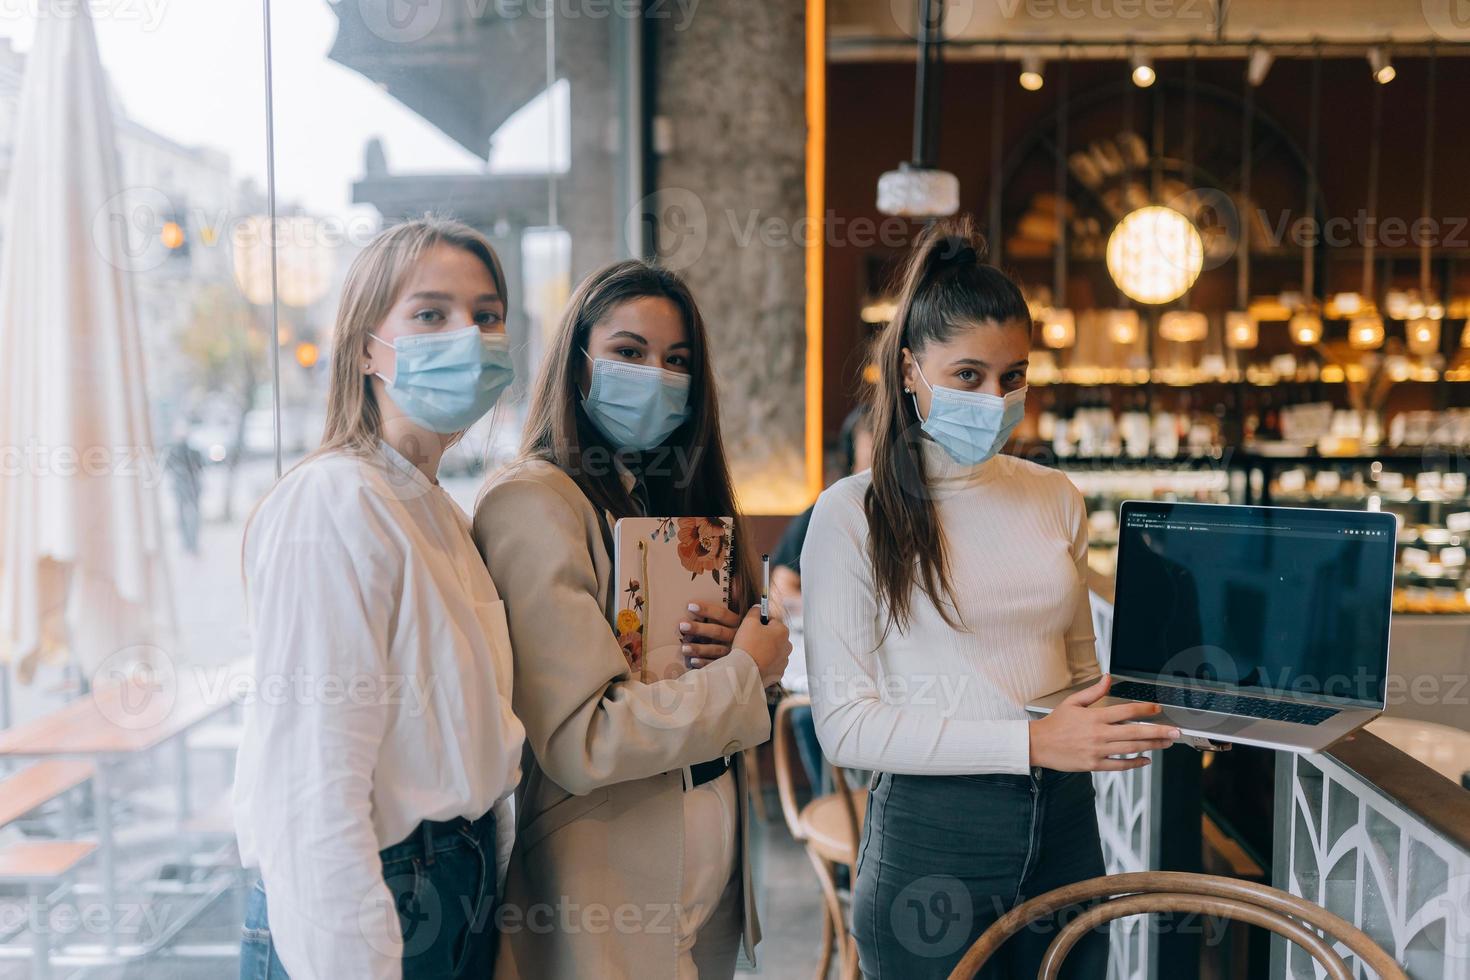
930 699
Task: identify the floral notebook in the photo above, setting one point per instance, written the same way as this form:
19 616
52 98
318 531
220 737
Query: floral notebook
660 565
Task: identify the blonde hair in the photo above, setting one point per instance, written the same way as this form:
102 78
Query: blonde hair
374 281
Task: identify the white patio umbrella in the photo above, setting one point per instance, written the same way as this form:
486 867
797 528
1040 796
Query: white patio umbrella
82 574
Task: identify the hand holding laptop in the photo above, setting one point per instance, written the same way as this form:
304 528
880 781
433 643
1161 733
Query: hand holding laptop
1080 736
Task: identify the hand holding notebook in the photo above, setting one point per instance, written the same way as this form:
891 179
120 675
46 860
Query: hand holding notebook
667 567
661 566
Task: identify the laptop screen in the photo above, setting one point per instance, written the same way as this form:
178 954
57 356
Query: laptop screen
1278 600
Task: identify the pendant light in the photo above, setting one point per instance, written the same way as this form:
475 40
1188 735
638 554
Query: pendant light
1306 323
1365 331
1033 73
919 189
1122 326
1241 330
997 151
1122 322
1142 65
1381 65
1155 253
1422 332
1059 324
1183 325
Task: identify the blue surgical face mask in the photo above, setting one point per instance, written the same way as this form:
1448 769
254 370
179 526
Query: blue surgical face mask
446 381
635 406
970 425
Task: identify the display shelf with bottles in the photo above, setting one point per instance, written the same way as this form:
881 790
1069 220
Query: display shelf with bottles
1423 478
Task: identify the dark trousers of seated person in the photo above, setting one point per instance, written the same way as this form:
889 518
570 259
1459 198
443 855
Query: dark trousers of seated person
443 882
943 857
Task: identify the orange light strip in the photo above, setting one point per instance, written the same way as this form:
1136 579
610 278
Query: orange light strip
816 205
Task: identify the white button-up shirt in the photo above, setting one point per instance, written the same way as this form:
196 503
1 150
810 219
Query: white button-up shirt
382 699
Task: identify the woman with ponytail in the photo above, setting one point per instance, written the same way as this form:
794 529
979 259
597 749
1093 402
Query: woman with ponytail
942 589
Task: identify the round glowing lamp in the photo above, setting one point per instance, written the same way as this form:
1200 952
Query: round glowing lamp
1155 254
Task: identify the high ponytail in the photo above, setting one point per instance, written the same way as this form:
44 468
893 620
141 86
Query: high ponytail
945 287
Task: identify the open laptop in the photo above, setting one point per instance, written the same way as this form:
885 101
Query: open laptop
1255 625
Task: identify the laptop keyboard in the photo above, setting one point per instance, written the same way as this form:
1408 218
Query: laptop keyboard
1228 704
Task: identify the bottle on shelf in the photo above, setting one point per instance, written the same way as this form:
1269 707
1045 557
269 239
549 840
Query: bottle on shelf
1166 434
1063 442
1134 426
1046 420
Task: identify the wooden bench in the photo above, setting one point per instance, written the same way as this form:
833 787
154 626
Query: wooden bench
42 861
41 866
39 784
120 720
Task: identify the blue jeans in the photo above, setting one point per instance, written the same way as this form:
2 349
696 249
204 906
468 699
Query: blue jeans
943 857
452 860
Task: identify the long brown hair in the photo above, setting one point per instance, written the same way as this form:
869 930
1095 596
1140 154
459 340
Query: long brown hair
688 475
374 280
946 288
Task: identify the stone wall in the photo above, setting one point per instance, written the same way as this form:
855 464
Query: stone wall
730 203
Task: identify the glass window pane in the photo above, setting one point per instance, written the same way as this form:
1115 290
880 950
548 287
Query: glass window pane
134 390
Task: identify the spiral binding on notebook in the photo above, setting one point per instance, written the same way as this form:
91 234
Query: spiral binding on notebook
728 569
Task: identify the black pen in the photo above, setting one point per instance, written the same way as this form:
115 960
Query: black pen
765 590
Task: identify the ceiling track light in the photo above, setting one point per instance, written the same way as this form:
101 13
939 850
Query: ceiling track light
1032 73
1143 70
1381 65
1257 65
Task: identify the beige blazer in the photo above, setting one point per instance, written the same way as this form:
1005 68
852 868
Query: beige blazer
594 880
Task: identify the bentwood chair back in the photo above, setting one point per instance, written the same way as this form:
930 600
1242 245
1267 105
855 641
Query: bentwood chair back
1309 926
829 827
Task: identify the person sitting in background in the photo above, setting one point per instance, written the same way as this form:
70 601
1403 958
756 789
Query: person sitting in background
856 440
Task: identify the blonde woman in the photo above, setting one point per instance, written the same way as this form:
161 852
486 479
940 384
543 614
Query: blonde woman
382 737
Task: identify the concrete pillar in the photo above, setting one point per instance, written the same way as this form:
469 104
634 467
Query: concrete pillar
731 204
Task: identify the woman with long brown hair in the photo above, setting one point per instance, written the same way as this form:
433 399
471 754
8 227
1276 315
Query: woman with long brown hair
631 857
942 589
381 742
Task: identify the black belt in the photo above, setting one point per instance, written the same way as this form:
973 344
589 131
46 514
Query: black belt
705 772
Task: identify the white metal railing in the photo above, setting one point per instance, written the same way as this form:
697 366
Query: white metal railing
1125 803
1344 844
1340 841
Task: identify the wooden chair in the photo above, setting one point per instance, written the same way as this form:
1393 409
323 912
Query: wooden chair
1309 926
829 827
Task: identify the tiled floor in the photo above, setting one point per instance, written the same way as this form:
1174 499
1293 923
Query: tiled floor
789 907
